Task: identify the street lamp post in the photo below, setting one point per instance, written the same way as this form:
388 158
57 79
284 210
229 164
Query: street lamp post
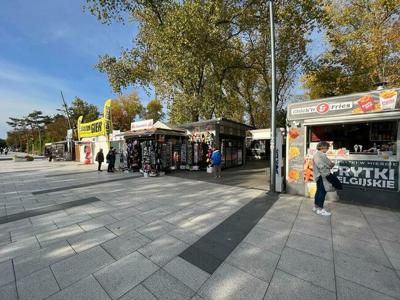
273 99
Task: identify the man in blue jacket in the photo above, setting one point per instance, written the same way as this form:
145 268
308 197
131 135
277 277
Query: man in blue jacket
216 161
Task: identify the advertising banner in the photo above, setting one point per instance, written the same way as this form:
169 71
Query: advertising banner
364 103
372 175
98 127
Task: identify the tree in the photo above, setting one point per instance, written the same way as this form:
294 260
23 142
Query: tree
3 143
79 108
36 120
197 54
124 110
154 110
57 129
363 48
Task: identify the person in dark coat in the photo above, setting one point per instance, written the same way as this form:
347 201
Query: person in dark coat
100 159
111 160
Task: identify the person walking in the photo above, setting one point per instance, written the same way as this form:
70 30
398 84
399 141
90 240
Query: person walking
216 161
322 168
100 159
111 160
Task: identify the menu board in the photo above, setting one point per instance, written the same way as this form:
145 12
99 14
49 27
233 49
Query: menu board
363 103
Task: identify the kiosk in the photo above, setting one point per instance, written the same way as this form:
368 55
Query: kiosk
364 132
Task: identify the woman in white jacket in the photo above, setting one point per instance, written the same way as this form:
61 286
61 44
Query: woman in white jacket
322 168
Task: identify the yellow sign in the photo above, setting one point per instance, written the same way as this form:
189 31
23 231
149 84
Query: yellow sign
99 127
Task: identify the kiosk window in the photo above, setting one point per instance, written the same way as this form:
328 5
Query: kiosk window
347 135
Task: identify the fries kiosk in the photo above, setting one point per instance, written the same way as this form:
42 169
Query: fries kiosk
364 133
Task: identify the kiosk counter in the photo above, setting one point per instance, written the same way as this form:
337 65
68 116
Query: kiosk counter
364 133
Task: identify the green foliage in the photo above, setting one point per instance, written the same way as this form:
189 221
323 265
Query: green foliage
79 108
364 48
154 110
124 110
210 58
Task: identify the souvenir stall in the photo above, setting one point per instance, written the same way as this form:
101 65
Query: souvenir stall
228 135
364 133
153 149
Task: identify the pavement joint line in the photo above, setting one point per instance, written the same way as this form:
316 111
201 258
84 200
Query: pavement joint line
333 257
280 255
87 184
46 210
380 245
250 213
367 287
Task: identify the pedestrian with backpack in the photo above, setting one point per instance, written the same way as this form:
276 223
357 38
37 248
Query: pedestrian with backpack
99 159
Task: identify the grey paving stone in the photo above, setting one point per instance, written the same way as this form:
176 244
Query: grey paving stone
317 230
65 233
125 244
274 225
367 251
311 244
81 265
163 249
38 285
36 260
138 293
118 278
156 229
152 215
189 274
197 297
387 233
97 222
125 213
392 250
231 283
184 235
353 220
258 262
286 286
353 232
165 286
347 290
376 277
85 289
74 219
23 246
6 272
91 239
273 241
125 225
308 267
8 292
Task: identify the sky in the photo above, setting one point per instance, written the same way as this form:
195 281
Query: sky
52 45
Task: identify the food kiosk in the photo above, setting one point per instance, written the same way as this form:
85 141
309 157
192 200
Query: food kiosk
364 133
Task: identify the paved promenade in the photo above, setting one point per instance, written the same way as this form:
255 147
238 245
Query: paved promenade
69 232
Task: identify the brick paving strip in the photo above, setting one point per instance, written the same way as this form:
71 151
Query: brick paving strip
46 210
88 184
209 252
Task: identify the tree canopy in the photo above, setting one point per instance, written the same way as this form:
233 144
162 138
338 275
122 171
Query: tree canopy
124 110
80 107
209 58
363 48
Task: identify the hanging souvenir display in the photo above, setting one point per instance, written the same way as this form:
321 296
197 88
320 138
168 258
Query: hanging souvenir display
183 156
189 154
